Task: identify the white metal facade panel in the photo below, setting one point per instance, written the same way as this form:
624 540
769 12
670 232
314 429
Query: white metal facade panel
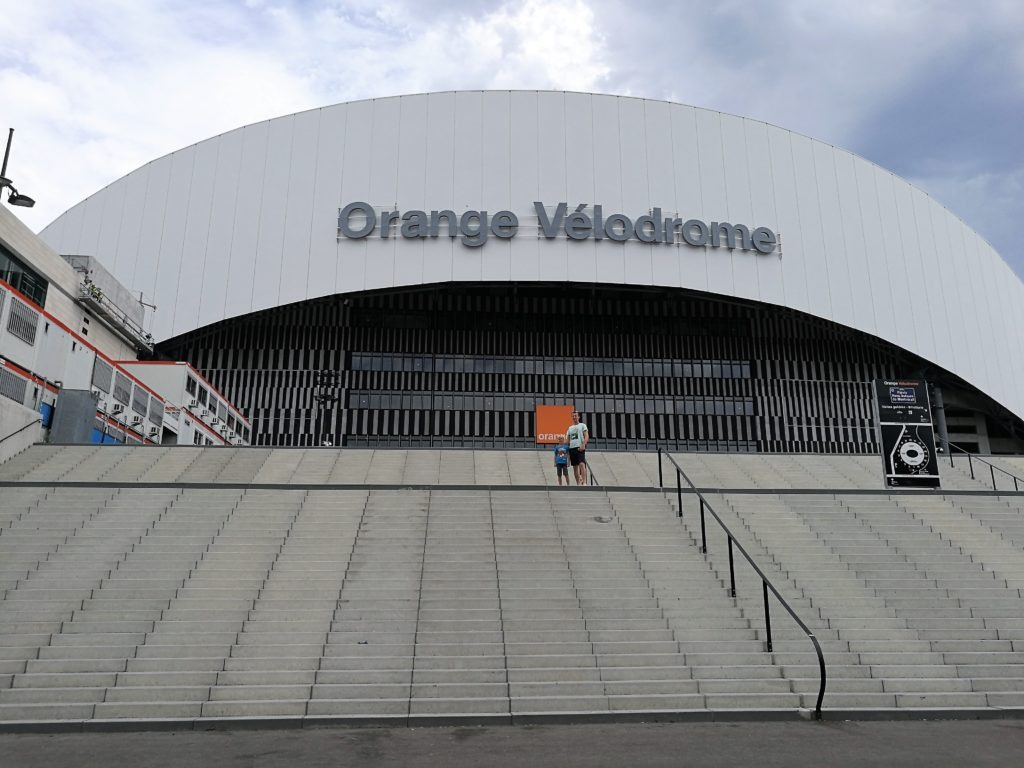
787 223
171 261
222 225
738 204
270 245
833 244
192 275
92 220
382 189
693 264
245 233
110 224
581 179
657 141
467 177
495 178
525 183
248 220
438 184
411 150
126 249
299 207
610 261
931 274
551 139
322 274
851 231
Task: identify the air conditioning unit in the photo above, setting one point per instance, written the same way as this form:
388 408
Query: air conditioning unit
154 431
215 421
193 403
136 420
97 394
204 414
118 408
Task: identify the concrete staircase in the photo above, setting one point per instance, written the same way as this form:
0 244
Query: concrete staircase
809 472
208 604
917 600
411 595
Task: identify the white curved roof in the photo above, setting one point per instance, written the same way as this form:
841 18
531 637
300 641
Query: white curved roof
248 220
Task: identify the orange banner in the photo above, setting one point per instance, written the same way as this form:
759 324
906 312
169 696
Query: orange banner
551 423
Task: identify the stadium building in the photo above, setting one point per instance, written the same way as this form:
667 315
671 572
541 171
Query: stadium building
424 270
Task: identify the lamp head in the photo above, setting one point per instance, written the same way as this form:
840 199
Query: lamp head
21 200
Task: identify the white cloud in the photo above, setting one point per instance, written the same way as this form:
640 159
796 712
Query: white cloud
96 89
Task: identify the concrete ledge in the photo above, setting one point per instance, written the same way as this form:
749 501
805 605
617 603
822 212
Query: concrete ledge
135 724
541 718
668 489
299 487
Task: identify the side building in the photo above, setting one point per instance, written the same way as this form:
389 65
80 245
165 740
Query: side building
70 338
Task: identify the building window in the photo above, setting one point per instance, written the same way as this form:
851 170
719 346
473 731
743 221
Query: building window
14 272
101 375
122 388
23 322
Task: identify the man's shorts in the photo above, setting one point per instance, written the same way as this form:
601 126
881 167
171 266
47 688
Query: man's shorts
577 456
561 470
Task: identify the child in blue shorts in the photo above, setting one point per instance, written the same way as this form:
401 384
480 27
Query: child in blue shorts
562 463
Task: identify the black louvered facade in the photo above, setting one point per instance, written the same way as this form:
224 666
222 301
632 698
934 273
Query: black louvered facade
464 365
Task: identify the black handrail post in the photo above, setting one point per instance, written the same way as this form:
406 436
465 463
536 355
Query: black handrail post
767 615
679 492
732 571
970 464
703 533
661 477
821 672
992 472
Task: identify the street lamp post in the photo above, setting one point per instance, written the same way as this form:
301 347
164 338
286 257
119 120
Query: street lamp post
13 196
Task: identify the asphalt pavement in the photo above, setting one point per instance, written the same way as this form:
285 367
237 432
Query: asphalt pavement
934 744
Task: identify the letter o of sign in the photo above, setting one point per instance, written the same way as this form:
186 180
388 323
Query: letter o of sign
345 215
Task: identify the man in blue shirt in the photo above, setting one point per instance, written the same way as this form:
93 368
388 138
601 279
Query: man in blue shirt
562 463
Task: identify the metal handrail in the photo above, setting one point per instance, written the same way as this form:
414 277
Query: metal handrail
1017 481
22 429
766 585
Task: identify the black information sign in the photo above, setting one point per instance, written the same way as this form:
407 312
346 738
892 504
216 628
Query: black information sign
906 434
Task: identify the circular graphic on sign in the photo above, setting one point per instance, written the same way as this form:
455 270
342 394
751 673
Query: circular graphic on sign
913 454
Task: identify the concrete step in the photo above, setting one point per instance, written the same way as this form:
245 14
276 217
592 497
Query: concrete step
394 603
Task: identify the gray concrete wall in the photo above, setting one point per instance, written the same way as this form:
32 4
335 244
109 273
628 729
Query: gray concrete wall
14 416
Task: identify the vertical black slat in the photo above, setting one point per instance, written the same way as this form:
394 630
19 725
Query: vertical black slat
732 572
703 530
767 617
239 353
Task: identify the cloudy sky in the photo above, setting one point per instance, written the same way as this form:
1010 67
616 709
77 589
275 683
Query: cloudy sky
931 89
